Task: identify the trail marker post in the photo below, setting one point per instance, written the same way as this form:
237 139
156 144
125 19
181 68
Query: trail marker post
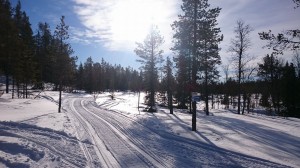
194 116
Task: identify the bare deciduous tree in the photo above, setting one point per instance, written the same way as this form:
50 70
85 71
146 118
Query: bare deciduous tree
239 45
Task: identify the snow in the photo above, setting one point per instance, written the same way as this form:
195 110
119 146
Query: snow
271 138
115 133
29 128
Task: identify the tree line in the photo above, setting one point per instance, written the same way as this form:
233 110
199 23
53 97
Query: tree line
45 57
274 83
28 58
95 77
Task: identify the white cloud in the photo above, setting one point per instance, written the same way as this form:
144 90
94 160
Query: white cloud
275 15
118 24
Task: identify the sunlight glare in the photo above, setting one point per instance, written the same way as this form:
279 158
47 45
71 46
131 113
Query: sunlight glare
132 19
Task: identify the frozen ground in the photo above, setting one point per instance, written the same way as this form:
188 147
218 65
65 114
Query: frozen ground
113 133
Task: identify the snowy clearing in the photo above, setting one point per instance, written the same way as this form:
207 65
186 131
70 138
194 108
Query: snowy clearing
113 133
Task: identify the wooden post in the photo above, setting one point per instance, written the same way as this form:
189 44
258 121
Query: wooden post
139 102
59 101
194 116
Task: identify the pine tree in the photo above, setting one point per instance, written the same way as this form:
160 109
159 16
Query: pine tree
24 62
64 64
271 72
289 90
44 53
150 53
29 61
88 75
196 42
9 37
209 51
80 77
169 81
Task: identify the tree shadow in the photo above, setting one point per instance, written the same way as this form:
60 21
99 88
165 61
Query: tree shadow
178 151
172 150
272 140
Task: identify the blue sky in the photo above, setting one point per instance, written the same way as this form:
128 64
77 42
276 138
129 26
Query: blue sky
109 28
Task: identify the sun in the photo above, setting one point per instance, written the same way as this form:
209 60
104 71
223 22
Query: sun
119 24
132 19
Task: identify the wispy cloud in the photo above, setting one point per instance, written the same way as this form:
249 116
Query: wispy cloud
118 24
275 15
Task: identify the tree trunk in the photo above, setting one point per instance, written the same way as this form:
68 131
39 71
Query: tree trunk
248 102
13 89
24 90
194 116
212 101
139 101
59 101
190 102
170 98
244 103
7 83
206 94
18 89
239 98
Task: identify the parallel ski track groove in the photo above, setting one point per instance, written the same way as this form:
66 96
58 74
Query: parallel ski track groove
128 133
107 133
104 162
127 130
189 146
82 145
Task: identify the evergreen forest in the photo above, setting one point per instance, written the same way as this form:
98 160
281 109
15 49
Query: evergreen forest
29 61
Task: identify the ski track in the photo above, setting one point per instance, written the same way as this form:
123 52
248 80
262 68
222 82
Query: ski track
123 152
132 144
88 140
110 139
46 145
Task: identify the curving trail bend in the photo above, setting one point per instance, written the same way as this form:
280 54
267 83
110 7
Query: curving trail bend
110 139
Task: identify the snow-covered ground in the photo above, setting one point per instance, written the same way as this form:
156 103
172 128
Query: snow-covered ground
114 133
33 134
275 139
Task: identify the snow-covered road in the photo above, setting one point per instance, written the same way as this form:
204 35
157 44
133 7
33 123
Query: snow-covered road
111 139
